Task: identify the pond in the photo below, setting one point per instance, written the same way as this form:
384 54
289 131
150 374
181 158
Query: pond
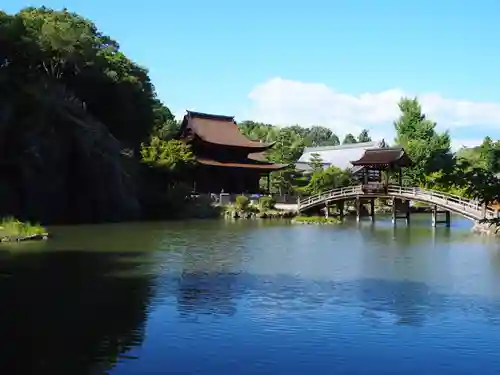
252 297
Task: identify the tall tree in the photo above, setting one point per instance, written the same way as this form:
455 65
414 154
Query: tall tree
320 136
70 103
316 163
429 150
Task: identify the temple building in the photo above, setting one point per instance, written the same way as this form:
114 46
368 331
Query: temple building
370 166
226 160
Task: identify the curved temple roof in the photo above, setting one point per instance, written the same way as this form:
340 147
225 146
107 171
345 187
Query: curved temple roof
217 129
383 157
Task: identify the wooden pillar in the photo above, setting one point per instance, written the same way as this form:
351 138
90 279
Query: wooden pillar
372 209
327 210
434 216
269 183
407 208
340 207
358 209
400 178
394 210
448 219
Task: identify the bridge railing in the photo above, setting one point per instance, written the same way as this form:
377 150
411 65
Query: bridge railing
443 199
330 194
452 201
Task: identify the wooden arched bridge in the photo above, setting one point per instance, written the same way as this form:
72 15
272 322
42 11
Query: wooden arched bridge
469 208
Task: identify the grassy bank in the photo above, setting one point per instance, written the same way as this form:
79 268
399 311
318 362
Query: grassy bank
12 229
316 220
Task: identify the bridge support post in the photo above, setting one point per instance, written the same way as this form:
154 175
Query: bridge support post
340 207
358 209
372 209
394 211
435 217
327 210
402 206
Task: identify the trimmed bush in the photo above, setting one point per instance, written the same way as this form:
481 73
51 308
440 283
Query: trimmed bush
267 203
242 203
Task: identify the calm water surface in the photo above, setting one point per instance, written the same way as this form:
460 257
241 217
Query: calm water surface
252 298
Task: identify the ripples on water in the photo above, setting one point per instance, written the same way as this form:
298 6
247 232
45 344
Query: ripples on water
252 298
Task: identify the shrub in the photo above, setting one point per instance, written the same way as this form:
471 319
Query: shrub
267 203
11 227
242 202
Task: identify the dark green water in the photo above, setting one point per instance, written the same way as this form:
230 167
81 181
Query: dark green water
252 298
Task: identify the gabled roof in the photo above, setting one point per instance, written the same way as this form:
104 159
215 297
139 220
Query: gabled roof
338 156
218 130
383 157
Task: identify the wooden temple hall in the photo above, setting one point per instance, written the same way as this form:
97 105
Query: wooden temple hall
226 160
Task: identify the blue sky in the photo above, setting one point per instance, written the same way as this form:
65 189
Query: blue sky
222 56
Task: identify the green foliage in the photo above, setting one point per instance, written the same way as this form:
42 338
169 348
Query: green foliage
316 163
316 220
173 155
166 130
74 111
266 203
311 137
327 179
349 138
11 227
288 147
486 155
242 203
364 136
428 150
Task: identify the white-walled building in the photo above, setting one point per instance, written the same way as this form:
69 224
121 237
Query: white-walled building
338 156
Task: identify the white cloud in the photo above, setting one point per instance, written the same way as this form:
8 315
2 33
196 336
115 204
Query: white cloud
285 102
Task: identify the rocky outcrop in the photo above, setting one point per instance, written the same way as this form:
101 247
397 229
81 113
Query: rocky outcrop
486 228
30 237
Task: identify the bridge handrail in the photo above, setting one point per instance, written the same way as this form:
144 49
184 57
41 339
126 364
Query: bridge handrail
430 195
351 188
446 197
331 193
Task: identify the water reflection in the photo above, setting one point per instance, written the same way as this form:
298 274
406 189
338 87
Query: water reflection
66 313
254 298
390 301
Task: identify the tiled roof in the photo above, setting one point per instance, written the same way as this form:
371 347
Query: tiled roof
383 156
217 129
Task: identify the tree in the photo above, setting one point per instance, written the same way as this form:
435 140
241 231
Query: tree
329 178
320 136
166 130
428 150
288 147
364 136
173 155
489 152
349 138
316 163
72 108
